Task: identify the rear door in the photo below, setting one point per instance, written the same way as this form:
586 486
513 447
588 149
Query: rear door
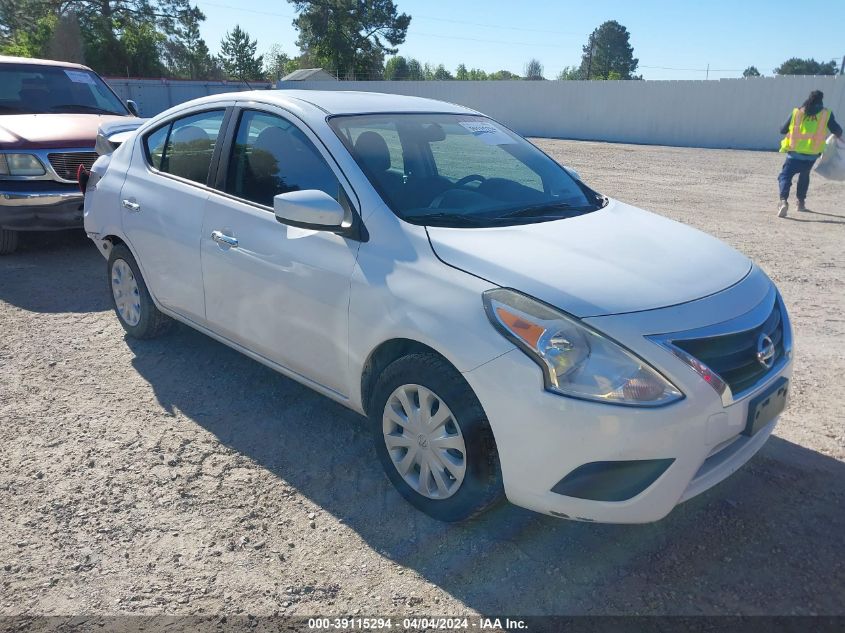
163 203
280 291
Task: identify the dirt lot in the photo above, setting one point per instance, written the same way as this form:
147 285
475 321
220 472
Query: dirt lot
177 476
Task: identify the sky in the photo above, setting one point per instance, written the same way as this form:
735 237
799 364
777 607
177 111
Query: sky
672 40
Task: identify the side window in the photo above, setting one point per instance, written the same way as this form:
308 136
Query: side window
184 148
155 143
272 156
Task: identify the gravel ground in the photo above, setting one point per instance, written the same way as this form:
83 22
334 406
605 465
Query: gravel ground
179 477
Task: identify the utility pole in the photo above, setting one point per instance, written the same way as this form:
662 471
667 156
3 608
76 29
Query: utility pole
707 76
842 67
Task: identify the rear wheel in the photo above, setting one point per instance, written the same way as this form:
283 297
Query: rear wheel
130 298
8 241
433 439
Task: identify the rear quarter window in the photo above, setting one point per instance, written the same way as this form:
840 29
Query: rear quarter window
184 147
154 145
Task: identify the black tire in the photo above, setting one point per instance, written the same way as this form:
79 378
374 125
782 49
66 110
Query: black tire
8 241
152 323
482 484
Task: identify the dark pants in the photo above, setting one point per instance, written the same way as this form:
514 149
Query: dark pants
791 167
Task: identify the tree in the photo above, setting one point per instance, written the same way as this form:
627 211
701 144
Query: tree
476 74
503 75
125 36
25 27
142 43
608 50
441 74
751 71
238 55
118 36
277 63
796 66
66 40
373 72
435 73
350 37
396 69
534 70
29 39
461 73
569 73
186 53
415 71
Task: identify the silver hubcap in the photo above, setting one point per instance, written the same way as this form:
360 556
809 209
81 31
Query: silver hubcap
127 298
424 441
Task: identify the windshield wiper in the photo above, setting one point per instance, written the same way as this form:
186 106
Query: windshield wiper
450 219
536 211
87 108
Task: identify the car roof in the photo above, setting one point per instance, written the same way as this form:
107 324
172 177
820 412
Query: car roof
5 59
346 101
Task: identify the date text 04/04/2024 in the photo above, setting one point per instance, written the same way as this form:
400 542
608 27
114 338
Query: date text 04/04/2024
434 623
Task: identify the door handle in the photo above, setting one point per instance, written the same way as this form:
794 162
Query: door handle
134 207
225 240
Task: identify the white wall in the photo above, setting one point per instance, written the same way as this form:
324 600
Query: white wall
730 113
157 95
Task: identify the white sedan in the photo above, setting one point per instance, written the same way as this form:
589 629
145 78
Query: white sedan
507 330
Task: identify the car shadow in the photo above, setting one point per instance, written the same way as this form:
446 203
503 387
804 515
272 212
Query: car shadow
39 260
767 540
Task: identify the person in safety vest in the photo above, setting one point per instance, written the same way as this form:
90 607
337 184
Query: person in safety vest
806 131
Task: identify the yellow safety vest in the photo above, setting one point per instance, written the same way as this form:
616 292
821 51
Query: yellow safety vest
806 134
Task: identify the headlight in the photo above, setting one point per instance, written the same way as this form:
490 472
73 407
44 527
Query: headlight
20 165
576 361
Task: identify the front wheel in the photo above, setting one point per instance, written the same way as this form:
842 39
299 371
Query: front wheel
130 298
8 241
433 439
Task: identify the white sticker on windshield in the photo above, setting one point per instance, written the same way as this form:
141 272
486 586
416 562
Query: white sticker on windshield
487 132
80 77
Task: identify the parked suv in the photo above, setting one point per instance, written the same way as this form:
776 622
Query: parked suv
506 328
49 115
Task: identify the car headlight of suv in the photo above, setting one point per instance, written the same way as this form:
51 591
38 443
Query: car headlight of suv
20 165
576 360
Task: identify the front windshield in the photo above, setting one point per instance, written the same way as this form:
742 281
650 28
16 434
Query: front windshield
37 89
461 170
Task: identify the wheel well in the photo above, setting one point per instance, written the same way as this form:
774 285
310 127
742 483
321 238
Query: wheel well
385 354
108 242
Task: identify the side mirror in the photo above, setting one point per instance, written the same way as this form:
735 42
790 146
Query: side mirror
309 209
133 107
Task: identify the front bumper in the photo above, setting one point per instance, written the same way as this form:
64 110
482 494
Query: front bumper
543 437
40 206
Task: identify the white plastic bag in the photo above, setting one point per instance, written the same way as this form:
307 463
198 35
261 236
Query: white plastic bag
832 163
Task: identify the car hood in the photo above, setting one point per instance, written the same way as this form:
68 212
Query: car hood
49 131
617 259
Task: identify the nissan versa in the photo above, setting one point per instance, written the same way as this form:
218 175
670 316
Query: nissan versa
507 329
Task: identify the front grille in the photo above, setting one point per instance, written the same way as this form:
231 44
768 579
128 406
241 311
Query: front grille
66 164
734 356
